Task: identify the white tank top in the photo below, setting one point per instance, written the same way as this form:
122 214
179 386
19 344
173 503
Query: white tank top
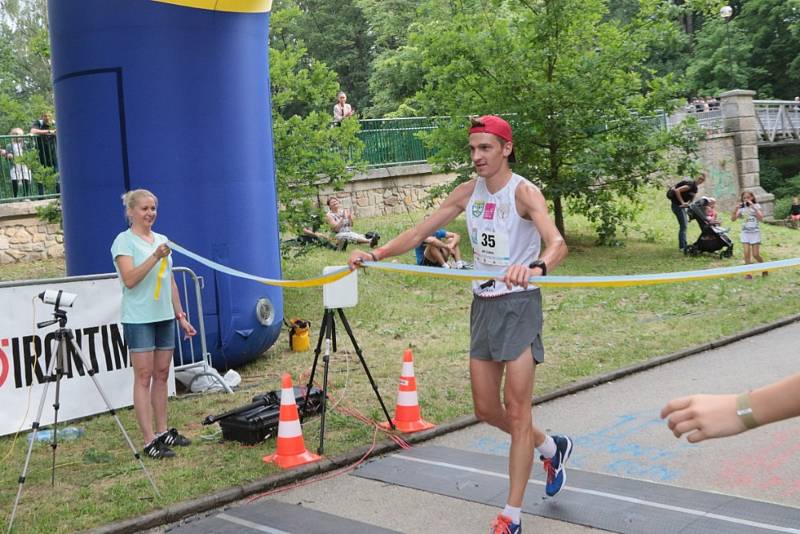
499 235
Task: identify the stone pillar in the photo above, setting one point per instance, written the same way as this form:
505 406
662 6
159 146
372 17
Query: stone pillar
739 116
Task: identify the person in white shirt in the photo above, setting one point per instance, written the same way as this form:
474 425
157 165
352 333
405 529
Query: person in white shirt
507 221
342 109
20 174
750 212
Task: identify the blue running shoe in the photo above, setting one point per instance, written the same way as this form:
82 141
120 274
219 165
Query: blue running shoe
554 467
503 525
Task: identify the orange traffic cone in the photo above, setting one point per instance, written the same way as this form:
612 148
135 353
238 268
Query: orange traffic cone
408 417
291 448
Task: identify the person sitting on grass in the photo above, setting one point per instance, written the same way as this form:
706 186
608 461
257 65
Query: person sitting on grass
311 234
436 250
340 221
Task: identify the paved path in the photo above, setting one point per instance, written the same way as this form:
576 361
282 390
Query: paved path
619 442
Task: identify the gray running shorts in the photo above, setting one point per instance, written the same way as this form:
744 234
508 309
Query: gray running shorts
501 328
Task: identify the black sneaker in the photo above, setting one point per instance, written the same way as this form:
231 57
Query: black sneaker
156 449
171 438
373 237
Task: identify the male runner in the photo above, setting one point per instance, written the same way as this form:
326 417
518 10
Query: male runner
507 220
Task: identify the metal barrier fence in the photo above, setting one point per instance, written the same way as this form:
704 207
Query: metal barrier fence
19 180
190 358
389 142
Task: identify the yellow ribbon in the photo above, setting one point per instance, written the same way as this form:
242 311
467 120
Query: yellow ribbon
161 270
333 276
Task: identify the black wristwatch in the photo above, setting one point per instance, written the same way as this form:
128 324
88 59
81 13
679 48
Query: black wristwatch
540 264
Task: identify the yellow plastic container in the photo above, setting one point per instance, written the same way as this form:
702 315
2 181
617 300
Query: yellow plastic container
298 335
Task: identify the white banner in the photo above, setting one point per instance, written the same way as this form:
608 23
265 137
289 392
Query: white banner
26 352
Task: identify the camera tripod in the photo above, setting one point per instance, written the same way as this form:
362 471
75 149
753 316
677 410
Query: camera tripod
327 333
55 370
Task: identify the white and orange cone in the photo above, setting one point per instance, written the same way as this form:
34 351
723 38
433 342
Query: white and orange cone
408 417
290 450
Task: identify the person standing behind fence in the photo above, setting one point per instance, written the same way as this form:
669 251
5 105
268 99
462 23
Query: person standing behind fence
45 132
150 306
20 174
750 212
681 194
341 110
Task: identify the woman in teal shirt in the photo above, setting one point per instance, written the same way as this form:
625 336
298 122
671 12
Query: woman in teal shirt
142 260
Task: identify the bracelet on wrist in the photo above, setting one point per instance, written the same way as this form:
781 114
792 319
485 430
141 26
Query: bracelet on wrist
180 315
371 255
745 412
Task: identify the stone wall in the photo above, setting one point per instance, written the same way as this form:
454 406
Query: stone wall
387 190
718 157
23 237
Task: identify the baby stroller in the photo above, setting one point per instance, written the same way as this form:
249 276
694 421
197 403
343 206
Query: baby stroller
712 238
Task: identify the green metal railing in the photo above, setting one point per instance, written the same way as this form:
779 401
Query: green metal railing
17 179
389 142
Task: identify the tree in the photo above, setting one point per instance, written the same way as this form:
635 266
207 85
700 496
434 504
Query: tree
335 33
773 28
395 77
309 150
722 59
25 86
575 89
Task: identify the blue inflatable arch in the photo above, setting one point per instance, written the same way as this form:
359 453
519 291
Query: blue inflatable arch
173 96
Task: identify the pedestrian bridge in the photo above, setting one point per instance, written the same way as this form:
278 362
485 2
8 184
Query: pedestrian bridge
777 122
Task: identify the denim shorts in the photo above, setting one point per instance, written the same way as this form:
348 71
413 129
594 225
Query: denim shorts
147 337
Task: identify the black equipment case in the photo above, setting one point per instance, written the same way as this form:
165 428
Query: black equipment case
253 423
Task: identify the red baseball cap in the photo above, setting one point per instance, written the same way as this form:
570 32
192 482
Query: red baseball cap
494 125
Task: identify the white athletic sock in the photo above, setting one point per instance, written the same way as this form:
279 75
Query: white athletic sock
547 448
513 513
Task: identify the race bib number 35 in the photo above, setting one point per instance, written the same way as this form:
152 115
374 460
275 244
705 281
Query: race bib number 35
492 248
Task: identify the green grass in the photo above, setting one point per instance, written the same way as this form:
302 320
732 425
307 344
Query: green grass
587 332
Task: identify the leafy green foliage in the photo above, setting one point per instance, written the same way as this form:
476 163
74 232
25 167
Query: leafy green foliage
756 49
50 213
43 174
309 150
25 87
581 103
334 32
773 27
722 59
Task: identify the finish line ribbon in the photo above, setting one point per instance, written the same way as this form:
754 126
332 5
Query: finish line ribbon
308 282
591 281
540 281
